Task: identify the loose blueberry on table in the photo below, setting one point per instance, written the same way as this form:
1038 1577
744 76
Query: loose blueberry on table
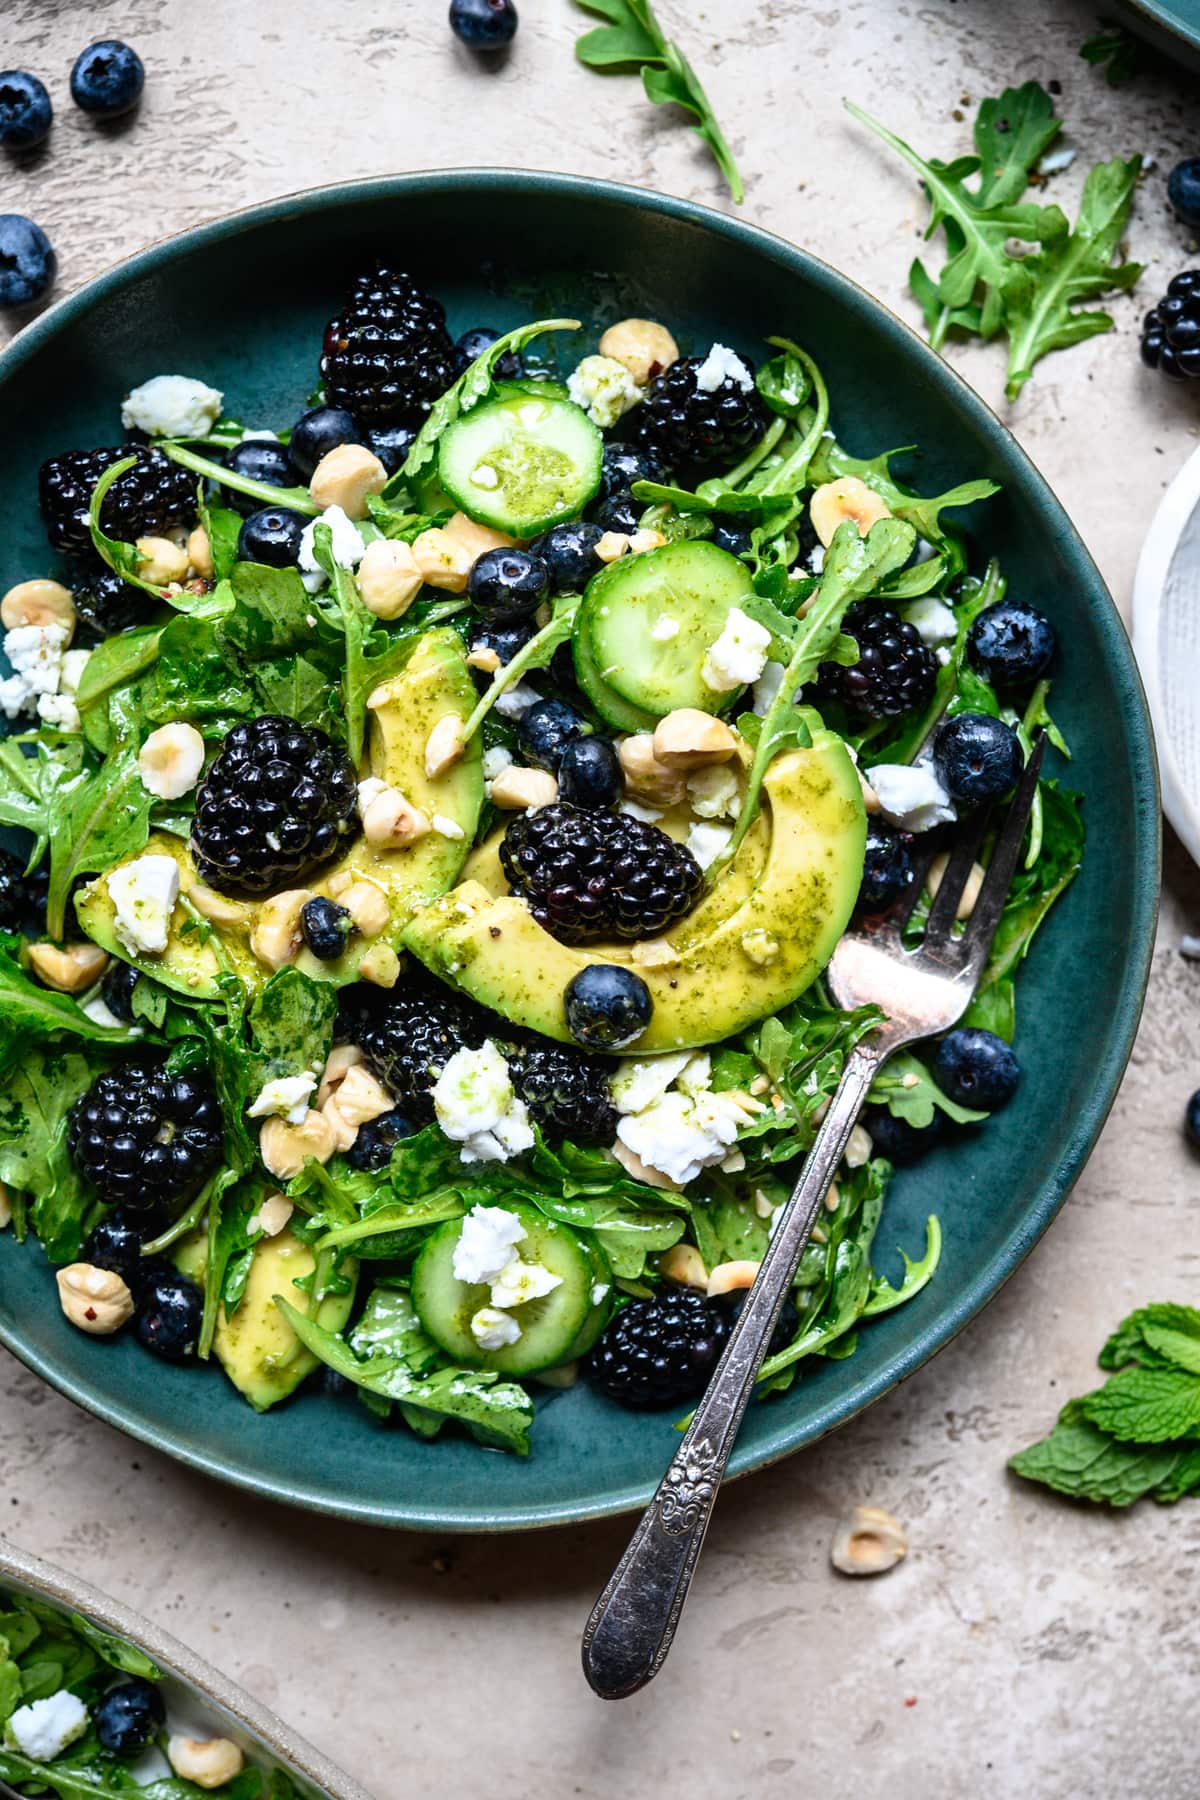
446 1008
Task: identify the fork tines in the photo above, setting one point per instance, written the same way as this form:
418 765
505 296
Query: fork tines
985 914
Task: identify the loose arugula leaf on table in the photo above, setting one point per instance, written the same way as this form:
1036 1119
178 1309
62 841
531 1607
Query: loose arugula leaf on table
476 383
495 1412
1139 1434
633 38
977 227
1044 290
1117 52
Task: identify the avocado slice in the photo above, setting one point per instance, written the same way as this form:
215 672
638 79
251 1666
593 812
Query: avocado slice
257 1348
756 941
403 710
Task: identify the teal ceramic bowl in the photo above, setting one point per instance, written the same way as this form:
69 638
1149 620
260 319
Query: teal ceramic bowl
242 303
1171 26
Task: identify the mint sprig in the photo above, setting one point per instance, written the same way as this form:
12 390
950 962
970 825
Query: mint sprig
633 38
1139 1434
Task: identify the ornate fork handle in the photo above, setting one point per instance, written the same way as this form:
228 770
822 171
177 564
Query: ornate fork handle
633 1622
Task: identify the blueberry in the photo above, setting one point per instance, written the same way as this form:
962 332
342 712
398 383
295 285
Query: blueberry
25 110
128 1716
504 636
116 1243
896 1139
606 1007
372 1148
318 432
391 444
728 535
1012 644
589 773
976 1068
508 584
620 512
623 464
259 459
1191 1121
977 757
168 1315
272 536
473 343
569 553
28 264
116 990
545 731
1183 190
887 866
483 24
325 927
107 79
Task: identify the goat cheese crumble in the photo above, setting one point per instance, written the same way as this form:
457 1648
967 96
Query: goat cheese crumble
911 796
493 1329
486 1243
144 893
604 388
173 406
43 1729
346 543
477 1106
738 656
287 1096
720 365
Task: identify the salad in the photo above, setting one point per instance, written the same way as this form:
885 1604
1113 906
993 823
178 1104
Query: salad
83 1713
435 816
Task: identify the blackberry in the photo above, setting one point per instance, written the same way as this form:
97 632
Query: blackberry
116 1243
169 1313
22 896
387 356
567 1093
887 866
372 1148
148 500
106 604
278 800
1171 330
622 465
659 1351
895 672
412 1037
357 1005
590 873
684 423
145 1138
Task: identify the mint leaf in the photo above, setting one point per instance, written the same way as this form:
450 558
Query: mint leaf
1044 289
634 38
1147 1406
1174 1327
1080 1460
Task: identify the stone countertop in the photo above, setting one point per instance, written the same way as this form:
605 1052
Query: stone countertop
1026 1646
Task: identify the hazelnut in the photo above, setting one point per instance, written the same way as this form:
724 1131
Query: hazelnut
5 1208
380 965
691 739
515 788
446 554
642 346
209 1762
286 1148
360 1097
160 561
215 907
611 545
654 953
646 777
444 747
276 938
345 476
70 970
390 822
272 1216
367 907
342 1058
870 797
96 1300
645 539
684 1263
731 1277
39 602
388 578
633 1165
971 887
171 761
338 882
868 1541
848 498
858 1149
199 553
484 658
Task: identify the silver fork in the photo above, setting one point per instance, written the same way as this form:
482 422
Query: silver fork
920 991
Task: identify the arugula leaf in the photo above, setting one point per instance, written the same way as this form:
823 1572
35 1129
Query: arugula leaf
298 499
122 558
473 385
536 654
291 1024
977 227
117 662
917 1274
115 1651
358 624
34 1105
97 818
1117 52
29 782
634 37
494 1412
1044 289
905 1086
922 512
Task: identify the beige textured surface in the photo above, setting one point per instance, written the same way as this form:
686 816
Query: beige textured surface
1025 1647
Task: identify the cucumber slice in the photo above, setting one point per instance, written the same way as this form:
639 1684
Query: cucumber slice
602 1308
523 464
691 583
550 1327
612 709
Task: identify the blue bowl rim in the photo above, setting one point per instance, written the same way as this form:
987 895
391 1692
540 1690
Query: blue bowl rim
1145 860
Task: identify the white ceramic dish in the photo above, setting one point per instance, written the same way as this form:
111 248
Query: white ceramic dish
1166 642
